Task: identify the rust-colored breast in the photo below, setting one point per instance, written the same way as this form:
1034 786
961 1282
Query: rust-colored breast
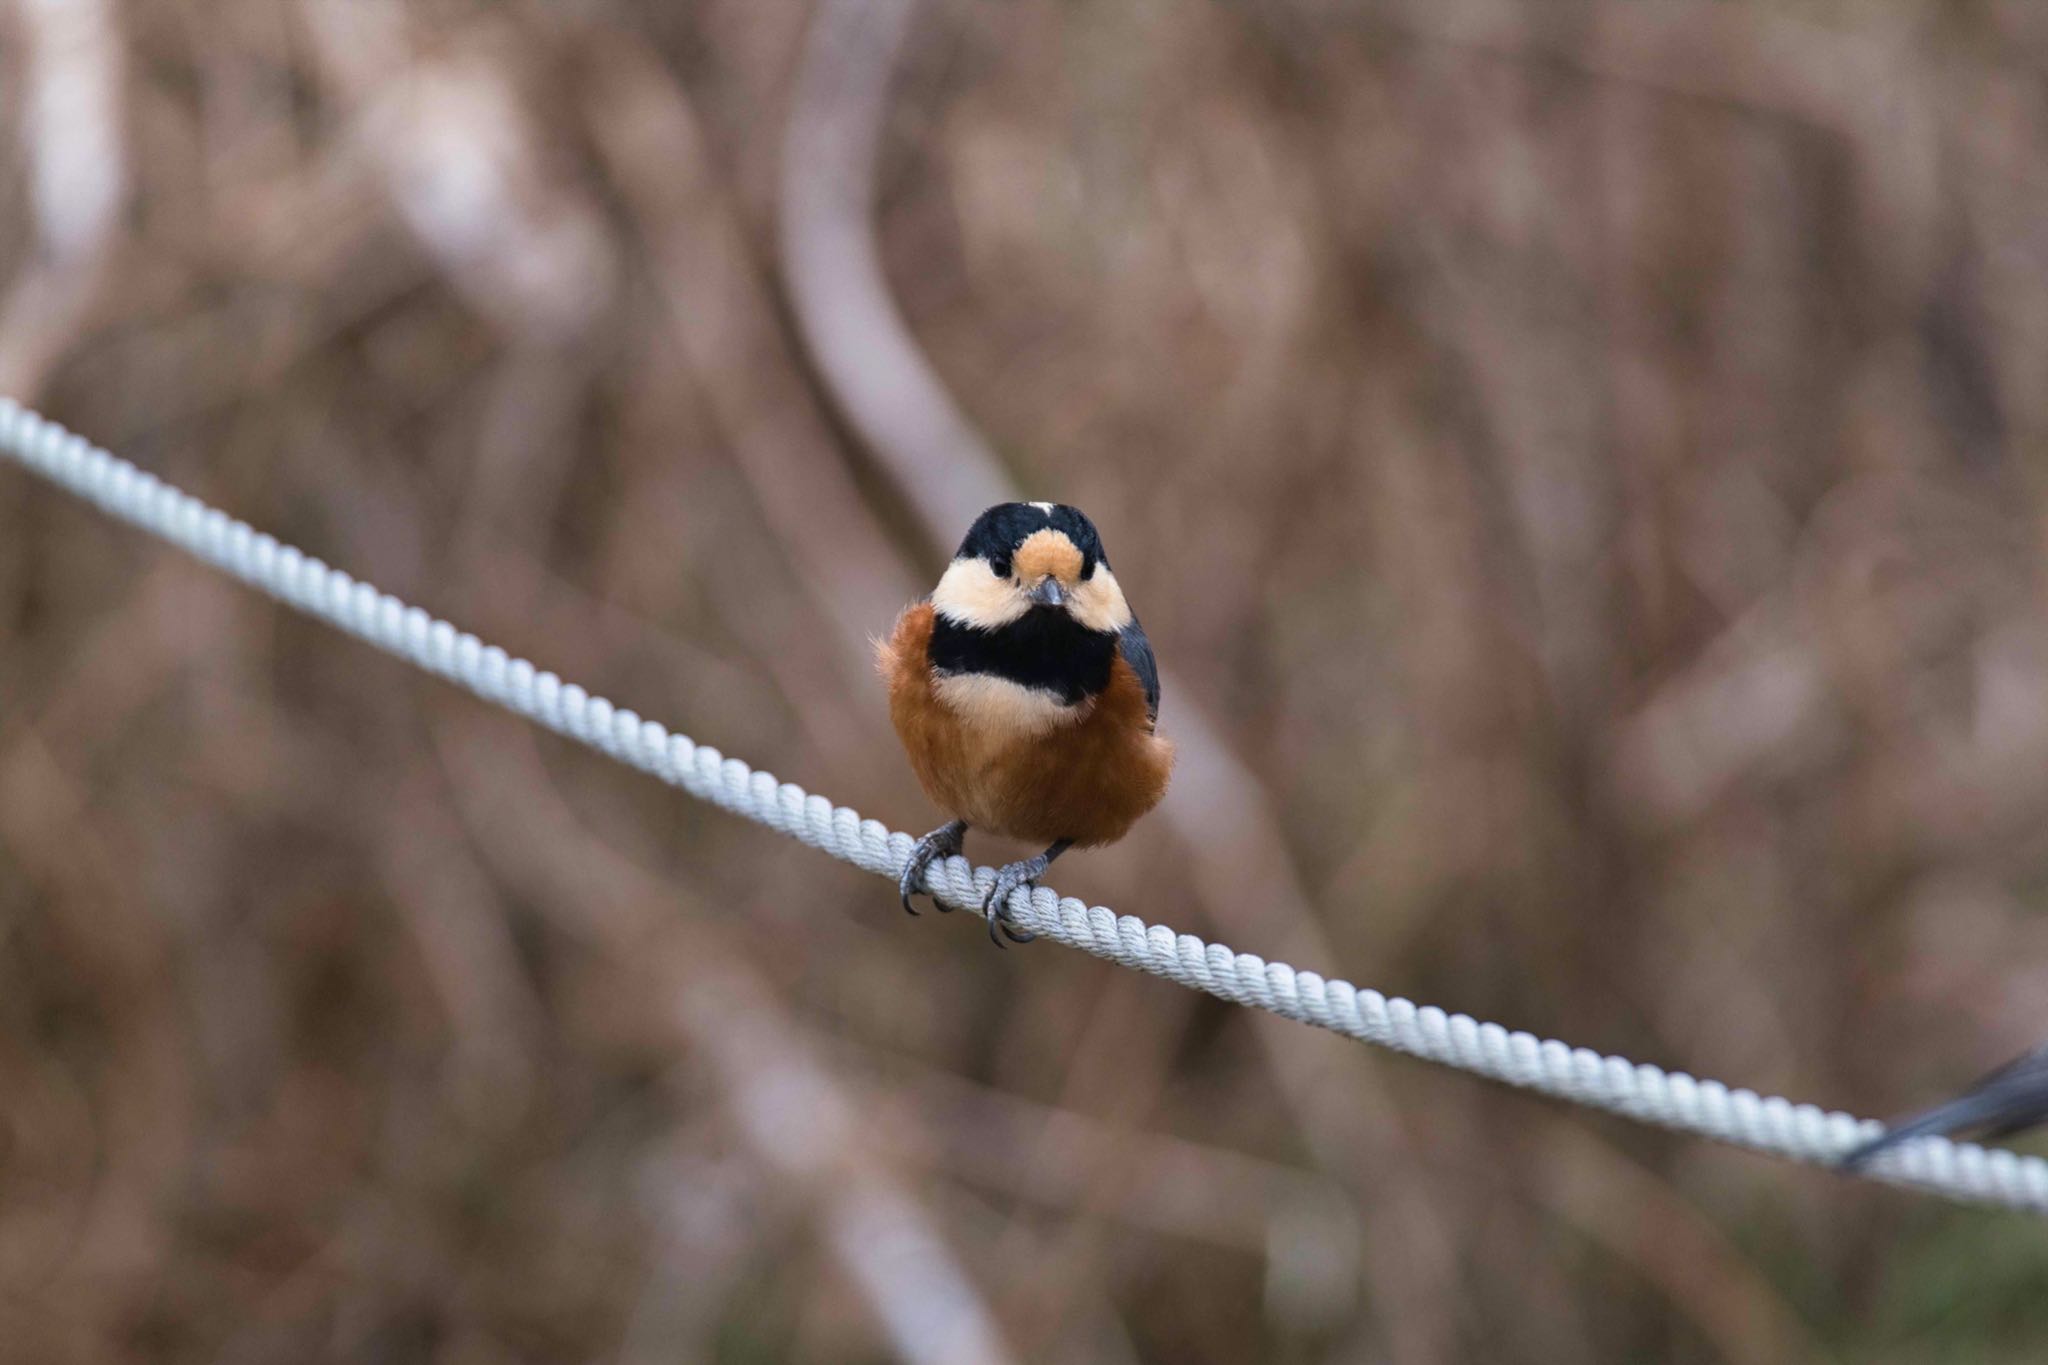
1087 781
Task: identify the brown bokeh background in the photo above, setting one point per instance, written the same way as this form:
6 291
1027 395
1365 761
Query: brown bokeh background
1580 464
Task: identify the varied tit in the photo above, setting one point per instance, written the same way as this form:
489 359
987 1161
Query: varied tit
2008 1101
1026 696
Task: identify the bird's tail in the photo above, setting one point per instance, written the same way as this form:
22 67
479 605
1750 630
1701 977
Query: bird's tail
1992 1109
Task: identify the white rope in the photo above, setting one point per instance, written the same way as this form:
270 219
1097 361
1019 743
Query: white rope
1669 1099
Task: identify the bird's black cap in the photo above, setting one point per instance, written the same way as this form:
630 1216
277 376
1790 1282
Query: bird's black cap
1002 528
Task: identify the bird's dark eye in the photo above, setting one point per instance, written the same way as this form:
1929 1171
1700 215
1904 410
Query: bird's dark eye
1000 566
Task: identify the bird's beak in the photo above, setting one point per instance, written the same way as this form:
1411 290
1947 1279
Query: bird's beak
1047 593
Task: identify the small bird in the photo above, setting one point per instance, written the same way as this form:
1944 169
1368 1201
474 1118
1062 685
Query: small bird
2010 1100
1026 696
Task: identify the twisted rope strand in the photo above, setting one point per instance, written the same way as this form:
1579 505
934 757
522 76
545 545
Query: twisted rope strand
1669 1099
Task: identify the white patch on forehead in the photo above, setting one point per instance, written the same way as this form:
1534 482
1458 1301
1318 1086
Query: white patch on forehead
1098 602
970 594
1046 553
995 705
1044 507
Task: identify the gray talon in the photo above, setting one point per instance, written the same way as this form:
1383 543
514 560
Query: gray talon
995 906
943 842
1010 877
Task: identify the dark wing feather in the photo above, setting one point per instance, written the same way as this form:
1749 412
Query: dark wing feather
2008 1101
1137 652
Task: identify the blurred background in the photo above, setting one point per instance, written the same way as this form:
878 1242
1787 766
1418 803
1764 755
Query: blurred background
1581 465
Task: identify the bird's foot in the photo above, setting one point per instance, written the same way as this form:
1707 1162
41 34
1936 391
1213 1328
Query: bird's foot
943 842
995 906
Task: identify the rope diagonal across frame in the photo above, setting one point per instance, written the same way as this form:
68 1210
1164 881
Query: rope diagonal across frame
1649 1094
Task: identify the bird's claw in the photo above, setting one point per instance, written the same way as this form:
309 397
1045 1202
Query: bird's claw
943 842
995 906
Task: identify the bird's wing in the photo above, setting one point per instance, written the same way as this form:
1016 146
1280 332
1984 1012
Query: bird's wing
1137 652
2009 1100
